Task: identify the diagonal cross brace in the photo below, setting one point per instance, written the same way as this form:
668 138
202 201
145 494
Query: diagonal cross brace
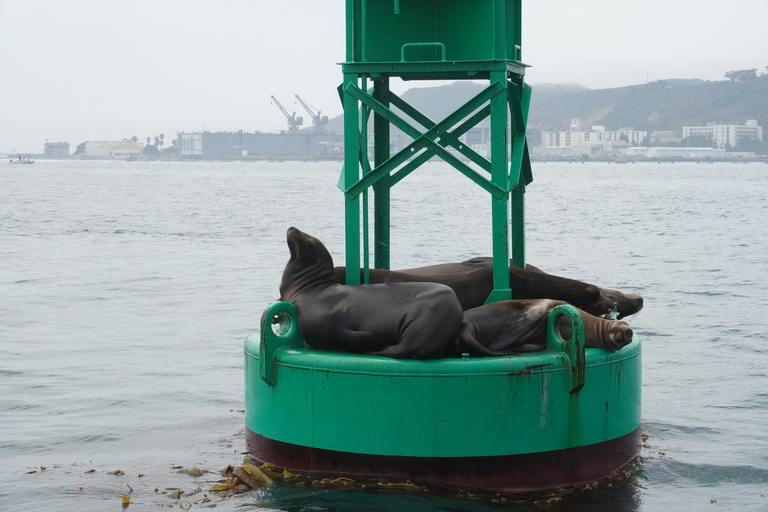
520 164
427 140
440 129
452 138
422 140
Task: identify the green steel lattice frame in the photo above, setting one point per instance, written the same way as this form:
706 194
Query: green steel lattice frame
505 100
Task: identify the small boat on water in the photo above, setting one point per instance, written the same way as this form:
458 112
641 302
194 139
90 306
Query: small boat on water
22 161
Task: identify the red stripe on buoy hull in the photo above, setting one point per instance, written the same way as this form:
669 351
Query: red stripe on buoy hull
503 473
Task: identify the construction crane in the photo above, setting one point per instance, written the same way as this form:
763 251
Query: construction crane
293 121
318 122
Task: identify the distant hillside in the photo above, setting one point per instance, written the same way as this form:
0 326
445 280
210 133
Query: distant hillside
660 105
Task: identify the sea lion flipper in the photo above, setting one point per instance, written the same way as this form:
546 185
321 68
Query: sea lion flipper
620 334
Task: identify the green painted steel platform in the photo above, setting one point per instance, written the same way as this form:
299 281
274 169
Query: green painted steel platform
574 412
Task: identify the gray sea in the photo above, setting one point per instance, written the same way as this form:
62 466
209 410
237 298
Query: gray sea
127 289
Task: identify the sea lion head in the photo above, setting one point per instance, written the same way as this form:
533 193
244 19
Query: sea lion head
309 266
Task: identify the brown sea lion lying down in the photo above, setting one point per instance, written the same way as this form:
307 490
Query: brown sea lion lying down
472 280
517 326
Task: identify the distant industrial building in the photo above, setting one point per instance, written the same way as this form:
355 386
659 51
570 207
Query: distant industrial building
56 150
298 145
722 134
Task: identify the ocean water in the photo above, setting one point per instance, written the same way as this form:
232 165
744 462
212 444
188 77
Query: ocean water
127 289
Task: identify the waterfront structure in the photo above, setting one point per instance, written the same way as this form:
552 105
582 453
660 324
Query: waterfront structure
117 149
127 150
548 139
56 150
687 153
596 139
190 145
298 145
677 152
725 134
664 138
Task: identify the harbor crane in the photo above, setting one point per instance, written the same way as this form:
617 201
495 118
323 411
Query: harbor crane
293 121
318 122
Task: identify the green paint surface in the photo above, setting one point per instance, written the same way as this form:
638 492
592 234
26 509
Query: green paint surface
441 408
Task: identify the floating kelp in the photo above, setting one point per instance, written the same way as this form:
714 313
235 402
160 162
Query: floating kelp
193 471
250 475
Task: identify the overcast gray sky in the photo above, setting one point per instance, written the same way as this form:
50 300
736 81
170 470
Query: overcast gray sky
81 70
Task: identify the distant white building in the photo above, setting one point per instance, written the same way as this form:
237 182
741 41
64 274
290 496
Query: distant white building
593 140
126 150
113 149
548 139
722 134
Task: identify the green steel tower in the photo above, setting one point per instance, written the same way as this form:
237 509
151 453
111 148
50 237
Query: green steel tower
566 415
434 40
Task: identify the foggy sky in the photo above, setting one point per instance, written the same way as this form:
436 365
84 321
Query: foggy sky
98 70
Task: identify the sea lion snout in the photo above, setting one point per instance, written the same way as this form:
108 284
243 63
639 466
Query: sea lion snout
303 246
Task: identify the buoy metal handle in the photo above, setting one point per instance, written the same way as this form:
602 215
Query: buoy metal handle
439 45
573 348
279 329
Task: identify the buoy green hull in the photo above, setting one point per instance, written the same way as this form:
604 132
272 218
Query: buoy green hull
513 419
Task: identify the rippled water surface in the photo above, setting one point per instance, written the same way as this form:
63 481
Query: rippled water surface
127 289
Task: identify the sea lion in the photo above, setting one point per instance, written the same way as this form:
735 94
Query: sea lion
472 280
517 326
402 320
625 303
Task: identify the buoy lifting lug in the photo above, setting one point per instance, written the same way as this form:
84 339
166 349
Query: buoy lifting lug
573 348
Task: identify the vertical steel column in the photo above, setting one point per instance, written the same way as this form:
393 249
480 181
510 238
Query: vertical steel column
366 168
352 142
352 147
517 205
520 166
381 190
500 176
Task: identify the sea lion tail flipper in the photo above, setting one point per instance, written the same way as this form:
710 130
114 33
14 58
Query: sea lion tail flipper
466 343
620 334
